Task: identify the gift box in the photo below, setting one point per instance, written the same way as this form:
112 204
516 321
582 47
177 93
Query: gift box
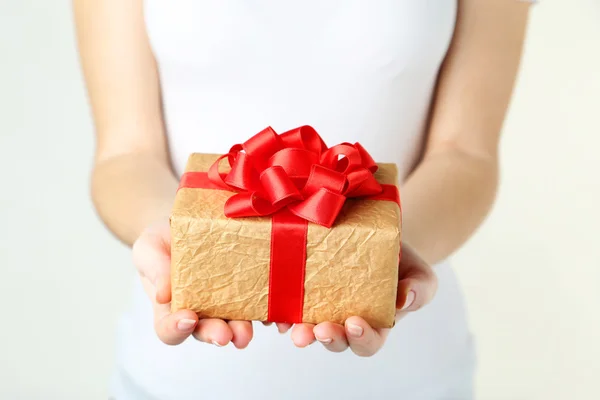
285 229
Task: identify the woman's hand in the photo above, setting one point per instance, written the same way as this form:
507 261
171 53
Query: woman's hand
417 284
152 258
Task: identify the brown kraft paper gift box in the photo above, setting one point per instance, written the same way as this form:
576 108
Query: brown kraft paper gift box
220 265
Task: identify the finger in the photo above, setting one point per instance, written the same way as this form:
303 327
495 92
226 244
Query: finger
151 254
266 323
302 334
242 333
173 329
364 341
417 282
283 327
215 331
332 336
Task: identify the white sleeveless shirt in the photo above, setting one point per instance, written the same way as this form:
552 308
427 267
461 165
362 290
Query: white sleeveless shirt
355 70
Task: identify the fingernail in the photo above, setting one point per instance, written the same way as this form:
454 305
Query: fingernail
186 325
324 340
355 330
217 343
410 298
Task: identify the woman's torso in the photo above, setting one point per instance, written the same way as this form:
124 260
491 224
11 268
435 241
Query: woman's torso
355 71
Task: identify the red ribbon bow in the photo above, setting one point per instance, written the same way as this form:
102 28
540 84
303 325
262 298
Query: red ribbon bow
295 170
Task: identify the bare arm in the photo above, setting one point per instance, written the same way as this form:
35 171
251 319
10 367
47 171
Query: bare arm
453 188
132 183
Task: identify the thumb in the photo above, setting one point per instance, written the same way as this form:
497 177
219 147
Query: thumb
151 254
417 282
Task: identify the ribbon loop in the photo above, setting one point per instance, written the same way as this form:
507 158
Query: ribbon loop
214 175
296 162
304 137
278 186
243 176
341 157
248 204
322 207
263 145
321 177
366 159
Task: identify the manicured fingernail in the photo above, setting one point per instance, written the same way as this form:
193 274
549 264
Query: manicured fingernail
410 298
186 325
217 343
355 330
324 340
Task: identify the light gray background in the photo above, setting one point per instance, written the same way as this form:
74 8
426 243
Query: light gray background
531 273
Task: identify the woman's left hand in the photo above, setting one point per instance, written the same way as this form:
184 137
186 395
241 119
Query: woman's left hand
417 284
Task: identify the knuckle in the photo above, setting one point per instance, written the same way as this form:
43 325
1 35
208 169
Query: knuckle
363 351
434 281
199 336
366 347
161 332
433 287
337 349
157 328
141 244
167 339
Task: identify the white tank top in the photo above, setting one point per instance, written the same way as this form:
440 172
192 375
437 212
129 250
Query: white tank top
355 70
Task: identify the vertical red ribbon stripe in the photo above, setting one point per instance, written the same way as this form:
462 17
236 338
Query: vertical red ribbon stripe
286 274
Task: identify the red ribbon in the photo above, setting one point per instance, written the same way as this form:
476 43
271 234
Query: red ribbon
295 178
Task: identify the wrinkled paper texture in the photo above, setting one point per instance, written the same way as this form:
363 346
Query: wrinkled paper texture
220 266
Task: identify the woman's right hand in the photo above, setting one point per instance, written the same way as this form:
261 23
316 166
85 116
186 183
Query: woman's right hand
152 258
